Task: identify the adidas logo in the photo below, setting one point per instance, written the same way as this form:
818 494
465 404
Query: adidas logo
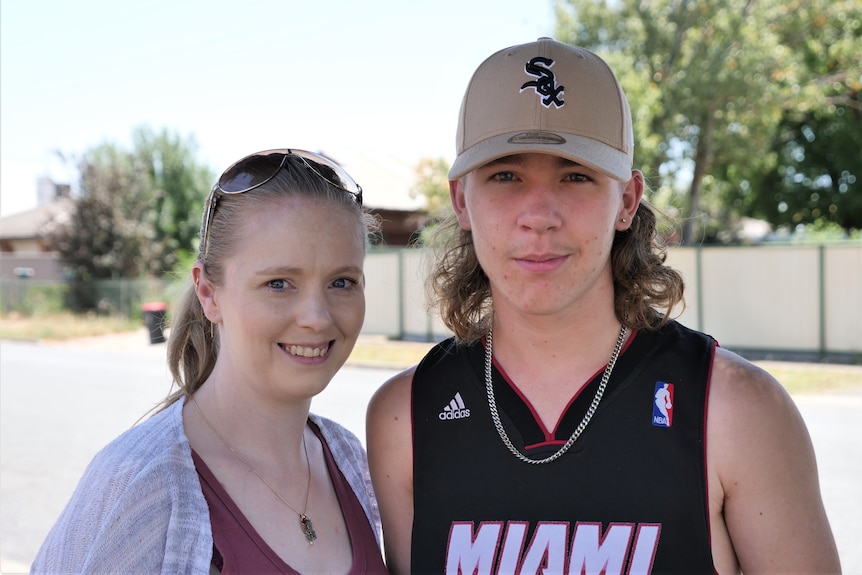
455 410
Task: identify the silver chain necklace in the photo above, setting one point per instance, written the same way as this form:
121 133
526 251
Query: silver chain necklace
492 402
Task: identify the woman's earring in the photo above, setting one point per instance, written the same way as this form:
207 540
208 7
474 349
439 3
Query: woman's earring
624 220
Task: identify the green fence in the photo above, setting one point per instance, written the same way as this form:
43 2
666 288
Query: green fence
122 297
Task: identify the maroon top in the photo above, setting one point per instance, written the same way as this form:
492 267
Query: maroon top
237 547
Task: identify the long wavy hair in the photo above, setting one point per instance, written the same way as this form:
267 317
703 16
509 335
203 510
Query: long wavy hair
645 289
193 342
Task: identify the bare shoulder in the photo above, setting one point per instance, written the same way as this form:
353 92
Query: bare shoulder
389 409
388 427
737 383
765 504
390 460
751 419
394 394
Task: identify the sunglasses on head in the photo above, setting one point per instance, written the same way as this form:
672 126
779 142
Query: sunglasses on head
257 169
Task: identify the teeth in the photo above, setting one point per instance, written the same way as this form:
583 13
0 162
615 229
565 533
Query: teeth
308 351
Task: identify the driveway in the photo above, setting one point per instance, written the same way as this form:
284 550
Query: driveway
60 403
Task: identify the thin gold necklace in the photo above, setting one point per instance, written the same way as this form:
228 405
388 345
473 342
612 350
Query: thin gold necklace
304 522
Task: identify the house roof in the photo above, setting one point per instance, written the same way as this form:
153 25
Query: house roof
386 180
28 225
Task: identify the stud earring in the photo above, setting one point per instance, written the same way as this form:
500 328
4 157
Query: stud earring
624 220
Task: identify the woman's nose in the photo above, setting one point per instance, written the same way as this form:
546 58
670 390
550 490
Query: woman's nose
314 312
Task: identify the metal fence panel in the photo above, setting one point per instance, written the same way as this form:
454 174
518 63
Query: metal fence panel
758 299
782 298
842 285
382 292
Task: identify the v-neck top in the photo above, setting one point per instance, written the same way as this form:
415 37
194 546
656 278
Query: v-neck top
239 548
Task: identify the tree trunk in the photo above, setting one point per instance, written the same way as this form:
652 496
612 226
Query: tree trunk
702 161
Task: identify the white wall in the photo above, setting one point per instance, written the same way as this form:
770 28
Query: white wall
782 298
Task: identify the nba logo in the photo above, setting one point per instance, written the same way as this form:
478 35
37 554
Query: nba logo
662 408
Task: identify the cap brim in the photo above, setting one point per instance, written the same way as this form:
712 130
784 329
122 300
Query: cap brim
586 151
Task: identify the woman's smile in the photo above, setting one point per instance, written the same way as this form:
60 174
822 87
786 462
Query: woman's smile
307 351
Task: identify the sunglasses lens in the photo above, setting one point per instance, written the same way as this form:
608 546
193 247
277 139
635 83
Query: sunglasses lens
249 173
330 171
257 169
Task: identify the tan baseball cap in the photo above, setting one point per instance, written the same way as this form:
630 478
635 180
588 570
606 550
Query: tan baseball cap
545 97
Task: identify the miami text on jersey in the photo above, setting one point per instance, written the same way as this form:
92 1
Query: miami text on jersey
501 547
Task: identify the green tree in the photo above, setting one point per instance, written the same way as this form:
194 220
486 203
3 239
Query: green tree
432 184
816 179
177 185
710 82
139 210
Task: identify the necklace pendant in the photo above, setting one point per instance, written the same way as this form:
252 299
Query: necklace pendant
307 528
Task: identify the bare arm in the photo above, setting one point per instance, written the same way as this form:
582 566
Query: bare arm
766 510
390 458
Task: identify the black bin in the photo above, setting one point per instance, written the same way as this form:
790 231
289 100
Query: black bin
155 314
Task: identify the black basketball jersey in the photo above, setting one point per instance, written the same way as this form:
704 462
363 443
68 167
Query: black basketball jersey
629 496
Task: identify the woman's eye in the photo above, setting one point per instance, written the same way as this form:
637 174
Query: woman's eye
343 283
277 284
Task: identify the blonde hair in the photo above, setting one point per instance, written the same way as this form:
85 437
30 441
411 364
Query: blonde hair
193 342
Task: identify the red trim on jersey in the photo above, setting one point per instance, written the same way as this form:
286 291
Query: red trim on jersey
550 436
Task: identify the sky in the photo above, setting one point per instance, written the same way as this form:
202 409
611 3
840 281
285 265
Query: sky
358 80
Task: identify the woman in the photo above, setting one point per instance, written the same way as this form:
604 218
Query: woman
233 474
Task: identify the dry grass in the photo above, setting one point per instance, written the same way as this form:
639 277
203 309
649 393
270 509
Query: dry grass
61 326
814 377
381 352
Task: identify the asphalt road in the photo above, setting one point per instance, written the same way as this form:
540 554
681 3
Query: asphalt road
59 404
